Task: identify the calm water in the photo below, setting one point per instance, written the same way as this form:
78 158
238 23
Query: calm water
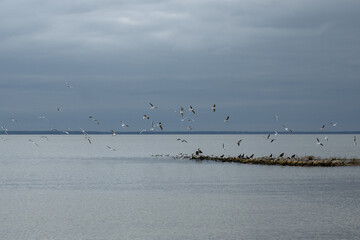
66 188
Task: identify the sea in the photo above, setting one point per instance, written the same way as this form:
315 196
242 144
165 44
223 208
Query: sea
131 186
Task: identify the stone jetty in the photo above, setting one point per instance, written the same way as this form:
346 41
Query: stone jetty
307 161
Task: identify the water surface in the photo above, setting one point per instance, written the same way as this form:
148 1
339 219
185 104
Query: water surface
66 188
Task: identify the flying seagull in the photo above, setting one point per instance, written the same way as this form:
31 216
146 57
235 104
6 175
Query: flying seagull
5 129
14 120
334 124
152 106
322 127
227 119
181 111
160 125
276 117
146 117
33 142
111 148
68 85
124 124
319 143
355 140
189 119
152 126
213 108
113 132
238 142
45 137
191 109
287 129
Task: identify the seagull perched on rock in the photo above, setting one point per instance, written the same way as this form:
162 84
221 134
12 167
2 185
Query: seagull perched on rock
191 109
198 151
319 143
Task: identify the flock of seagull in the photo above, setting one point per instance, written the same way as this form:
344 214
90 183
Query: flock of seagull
270 137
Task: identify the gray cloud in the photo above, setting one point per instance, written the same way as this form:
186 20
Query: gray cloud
252 58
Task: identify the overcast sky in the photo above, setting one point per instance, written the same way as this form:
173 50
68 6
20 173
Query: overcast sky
299 60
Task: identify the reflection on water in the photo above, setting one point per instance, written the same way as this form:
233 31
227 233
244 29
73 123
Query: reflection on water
69 189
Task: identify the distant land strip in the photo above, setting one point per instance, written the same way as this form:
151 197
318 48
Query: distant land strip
174 132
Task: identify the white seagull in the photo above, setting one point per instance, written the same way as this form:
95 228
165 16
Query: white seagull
113 132
276 117
124 124
152 126
14 120
152 106
68 85
5 129
355 140
287 129
181 111
189 119
146 117
333 124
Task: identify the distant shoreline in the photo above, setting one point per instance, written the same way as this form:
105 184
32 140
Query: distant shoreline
177 132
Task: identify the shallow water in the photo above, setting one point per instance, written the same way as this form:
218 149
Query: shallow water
67 188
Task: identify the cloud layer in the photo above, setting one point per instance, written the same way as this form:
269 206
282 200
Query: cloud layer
255 59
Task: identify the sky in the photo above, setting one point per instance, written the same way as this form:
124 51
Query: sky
299 60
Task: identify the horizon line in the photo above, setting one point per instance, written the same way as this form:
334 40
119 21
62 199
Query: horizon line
35 132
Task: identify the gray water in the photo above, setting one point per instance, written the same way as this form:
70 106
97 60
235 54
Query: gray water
67 188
